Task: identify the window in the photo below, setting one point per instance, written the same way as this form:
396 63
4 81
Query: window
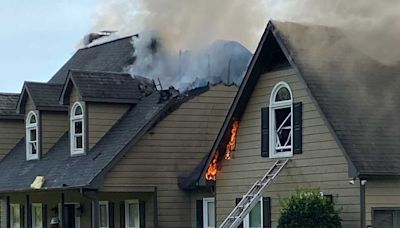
255 218
32 149
281 121
77 129
208 213
386 217
103 215
132 214
37 216
15 216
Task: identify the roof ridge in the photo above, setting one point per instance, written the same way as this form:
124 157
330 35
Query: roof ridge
9 94
108 42
97 71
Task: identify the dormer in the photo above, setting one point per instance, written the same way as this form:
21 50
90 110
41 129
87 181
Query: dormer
11 123
96 101
45 119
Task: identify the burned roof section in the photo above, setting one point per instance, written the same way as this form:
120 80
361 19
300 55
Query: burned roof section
112 56
113 87
8 104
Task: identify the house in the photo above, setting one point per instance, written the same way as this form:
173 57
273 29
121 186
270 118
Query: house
312 96
96 147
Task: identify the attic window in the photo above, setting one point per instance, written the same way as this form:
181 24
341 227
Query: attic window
281 121
77 129
32 150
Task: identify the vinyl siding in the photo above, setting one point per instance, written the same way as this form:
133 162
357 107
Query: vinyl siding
101 117
381 192
3 215
172 149
11 132
321 165
53 126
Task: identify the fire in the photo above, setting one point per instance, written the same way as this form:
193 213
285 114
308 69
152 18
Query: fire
212 168
232 142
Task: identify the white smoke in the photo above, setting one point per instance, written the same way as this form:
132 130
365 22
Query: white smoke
372 26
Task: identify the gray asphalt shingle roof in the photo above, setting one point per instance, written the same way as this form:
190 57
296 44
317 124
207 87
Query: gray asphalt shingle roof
44 96
63 171
358 95
8 104
112 56
108 86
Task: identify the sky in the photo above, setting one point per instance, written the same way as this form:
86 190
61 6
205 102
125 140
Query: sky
38 37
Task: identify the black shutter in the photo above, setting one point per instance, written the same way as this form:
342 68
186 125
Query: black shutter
22 215
297 128
237 202
8 212
122 214
111 222
199 213
265 132
142 214
266 212
44 215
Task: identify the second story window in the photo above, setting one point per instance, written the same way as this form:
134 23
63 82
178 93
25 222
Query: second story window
281 121
32 150
77 129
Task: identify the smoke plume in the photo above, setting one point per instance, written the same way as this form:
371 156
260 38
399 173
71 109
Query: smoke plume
371 26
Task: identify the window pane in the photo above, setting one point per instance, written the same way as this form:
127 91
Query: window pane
78 127
133 212
211 214
283 94
37 214
33 135
78 111
255 216
78 142
33 148
33 119
384 219
15 216
283 129
103 215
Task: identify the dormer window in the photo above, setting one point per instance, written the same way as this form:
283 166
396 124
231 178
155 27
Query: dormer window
32 145
77 129
281 121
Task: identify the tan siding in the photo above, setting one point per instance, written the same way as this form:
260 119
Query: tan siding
28 106
101 117
171 149
382 192
73 96
3 216
54 125
11 132
322 164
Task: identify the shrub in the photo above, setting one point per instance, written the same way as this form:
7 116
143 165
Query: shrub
307 208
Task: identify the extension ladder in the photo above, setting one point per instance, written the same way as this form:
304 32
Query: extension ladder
252 196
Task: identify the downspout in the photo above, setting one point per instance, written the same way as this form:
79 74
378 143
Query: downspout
362 203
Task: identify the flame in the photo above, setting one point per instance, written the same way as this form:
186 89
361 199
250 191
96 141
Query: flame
232 142
212 168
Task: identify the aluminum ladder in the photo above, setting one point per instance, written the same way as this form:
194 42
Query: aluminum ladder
235 218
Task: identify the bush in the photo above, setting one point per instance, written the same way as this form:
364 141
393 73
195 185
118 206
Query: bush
307 208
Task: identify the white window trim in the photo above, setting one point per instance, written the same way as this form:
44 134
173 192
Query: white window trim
205 211
127 202
12 214
246 221
29 127
33 214
73 119
272 107
105 203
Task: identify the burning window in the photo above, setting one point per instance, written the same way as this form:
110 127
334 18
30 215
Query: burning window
281 121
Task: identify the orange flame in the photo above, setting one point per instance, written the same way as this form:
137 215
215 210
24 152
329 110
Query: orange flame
232 142
213 168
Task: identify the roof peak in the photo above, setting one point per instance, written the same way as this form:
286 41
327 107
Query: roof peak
108 42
